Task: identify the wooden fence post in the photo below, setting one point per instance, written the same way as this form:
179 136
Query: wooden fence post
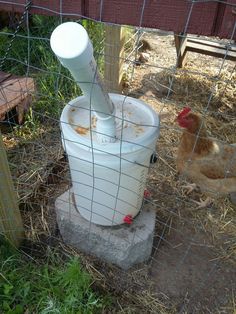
180 45
114 55
10 218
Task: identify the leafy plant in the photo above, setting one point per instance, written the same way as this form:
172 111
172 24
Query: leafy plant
30 54
53 287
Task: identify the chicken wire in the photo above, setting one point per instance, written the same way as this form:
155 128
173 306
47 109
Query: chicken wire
185 239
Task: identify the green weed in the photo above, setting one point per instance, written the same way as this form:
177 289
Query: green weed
30 54
54 287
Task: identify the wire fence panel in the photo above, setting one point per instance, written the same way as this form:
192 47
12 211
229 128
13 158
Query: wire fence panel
183 177
210 18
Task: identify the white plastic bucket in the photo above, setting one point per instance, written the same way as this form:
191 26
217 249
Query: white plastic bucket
109 179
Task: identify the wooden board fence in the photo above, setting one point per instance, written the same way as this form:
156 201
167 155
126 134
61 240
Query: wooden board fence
210 18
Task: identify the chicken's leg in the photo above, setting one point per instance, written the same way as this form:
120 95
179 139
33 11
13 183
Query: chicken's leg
190 187
203 204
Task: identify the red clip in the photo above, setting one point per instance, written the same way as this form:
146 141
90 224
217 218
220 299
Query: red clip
146 194
128 219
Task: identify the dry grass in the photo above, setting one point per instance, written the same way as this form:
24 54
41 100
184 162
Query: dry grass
41 174
194 90
220 221
35 161
200 87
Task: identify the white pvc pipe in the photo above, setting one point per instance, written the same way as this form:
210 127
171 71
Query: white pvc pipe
71 44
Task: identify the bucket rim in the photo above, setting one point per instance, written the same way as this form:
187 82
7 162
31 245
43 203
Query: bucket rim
141 142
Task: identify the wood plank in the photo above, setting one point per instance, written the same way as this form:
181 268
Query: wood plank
15 92
227 22
210 51
211 43
167 15
10 218
72 8
4 76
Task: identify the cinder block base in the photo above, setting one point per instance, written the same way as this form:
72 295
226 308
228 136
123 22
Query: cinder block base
123 245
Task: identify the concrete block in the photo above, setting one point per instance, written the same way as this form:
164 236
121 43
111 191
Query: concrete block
123 245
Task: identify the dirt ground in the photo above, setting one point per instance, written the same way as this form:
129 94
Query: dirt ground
192 267
189 265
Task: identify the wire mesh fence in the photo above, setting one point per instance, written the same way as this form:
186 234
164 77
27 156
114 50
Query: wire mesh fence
191 268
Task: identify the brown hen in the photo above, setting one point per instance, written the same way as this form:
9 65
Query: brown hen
208 163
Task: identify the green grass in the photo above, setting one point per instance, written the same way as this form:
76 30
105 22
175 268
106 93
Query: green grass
56 286
30 54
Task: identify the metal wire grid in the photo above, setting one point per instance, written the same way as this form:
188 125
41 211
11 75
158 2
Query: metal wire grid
167 224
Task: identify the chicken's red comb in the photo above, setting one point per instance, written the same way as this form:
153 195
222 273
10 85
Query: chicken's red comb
183 113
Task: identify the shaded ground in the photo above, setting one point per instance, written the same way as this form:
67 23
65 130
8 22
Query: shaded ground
188 272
